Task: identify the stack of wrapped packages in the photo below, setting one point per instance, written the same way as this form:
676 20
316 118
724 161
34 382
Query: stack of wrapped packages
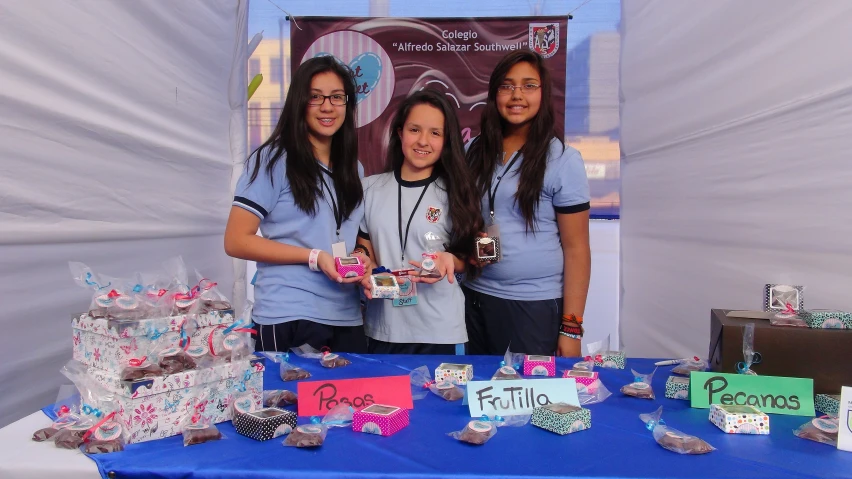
153 341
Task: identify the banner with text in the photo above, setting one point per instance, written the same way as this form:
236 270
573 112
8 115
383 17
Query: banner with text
394 57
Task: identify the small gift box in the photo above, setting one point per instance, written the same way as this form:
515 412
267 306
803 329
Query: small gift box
380 419
609 359
827 404
587 381
826 319
457 373
350 267
783 297
562 418
539 366
385 286
739 419
677 387
488 249
267 423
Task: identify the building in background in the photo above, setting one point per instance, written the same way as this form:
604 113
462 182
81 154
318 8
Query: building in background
265 106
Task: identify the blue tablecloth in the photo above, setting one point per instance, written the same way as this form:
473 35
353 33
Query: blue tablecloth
617 445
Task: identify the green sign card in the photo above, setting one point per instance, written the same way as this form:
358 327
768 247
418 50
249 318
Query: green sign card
770 394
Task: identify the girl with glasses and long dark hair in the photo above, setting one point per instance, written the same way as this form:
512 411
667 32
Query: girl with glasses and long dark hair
535 201
302 189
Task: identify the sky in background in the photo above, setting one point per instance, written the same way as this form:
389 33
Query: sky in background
594 16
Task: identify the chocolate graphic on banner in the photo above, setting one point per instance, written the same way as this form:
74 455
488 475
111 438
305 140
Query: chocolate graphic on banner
393 57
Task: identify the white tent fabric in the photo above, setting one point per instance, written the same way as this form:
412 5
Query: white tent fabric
735 136
121 125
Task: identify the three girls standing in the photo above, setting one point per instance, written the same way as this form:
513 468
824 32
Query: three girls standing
302 189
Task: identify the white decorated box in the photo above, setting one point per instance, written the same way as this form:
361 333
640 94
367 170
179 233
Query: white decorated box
739 419
457 373
153 408
111 344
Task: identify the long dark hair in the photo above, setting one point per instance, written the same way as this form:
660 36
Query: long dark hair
486 150
291 136
464 205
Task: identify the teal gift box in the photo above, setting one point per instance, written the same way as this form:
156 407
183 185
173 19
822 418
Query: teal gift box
827 404
610 359
562 418
677 387
826 319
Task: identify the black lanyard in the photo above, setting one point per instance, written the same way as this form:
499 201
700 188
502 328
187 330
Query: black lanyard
403 241
492 194
338 215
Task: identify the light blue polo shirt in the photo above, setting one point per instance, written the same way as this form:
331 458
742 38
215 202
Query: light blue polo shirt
532 264
289 292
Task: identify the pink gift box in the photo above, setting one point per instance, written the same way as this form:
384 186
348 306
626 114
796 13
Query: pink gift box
380 419
539 366
586 380
350 267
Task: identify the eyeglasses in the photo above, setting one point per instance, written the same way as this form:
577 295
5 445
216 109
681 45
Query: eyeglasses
336 100
509 89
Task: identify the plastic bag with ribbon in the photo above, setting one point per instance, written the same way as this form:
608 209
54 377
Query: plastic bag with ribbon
593 394
326 357
750 357
175 358
788 316
104 292
686 366
151 292
197 426
479 431
434 245
509 366
313 434
67 411
234 342
672 439
279 398
97 428
241 396
641 385
184 297
600 354
587 364
146 363
421 381
287 371
821 429
210 298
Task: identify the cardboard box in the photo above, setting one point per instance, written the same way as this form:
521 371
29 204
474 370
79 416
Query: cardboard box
826 319
154 408
610 359
562 418
111 344
821 354
739 419
458 373
828 404
539 366
264 424
380 419
677 387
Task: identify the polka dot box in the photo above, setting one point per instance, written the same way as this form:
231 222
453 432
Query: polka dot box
380 419
739 419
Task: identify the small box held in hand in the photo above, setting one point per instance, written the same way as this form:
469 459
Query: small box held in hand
380 419
488 249
539 366
350 266
385 286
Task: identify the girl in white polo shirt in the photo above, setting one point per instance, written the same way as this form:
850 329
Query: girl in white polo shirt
426 199
302 189
534 191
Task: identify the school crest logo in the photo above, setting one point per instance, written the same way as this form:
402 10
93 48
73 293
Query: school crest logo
433 214
544 38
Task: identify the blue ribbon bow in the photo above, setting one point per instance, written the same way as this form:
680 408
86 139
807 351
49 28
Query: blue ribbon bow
638 379
381 269
496 418
90 411
138 288
315 420
652 424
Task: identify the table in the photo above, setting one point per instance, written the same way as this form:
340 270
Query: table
617 445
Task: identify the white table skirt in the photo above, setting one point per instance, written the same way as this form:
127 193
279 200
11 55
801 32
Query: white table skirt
23 458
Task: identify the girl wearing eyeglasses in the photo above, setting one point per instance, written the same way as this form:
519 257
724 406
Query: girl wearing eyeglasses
302 189
535 202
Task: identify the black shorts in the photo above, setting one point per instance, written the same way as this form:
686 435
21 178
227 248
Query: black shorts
531 327
374 346
292 334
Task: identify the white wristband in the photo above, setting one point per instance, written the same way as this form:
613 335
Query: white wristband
312 260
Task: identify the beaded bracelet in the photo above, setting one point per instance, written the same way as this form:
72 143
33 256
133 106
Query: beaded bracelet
572 336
